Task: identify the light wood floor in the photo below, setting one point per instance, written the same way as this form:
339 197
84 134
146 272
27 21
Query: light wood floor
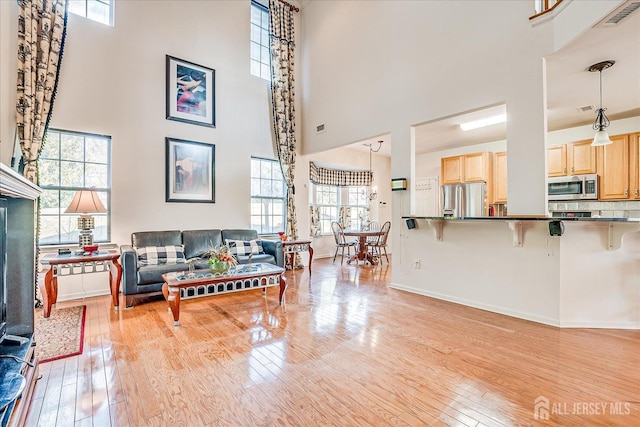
346 351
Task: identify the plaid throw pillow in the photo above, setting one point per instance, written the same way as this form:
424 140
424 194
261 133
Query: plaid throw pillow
241 247
154 255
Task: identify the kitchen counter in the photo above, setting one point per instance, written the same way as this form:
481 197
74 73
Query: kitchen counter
521 218
616 228
583 273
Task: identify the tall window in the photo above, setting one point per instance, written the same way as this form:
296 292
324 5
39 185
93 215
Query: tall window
68 162
326 199
268 196
358 201
260 52
96 10
329 199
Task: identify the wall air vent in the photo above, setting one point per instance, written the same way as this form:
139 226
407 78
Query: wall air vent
621 13
586 108
320 128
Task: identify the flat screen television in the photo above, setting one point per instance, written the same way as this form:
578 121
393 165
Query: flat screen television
3 272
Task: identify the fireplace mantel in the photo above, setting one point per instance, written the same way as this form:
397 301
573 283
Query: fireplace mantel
12 184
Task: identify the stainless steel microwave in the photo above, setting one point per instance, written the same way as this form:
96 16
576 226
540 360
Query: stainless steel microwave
575 187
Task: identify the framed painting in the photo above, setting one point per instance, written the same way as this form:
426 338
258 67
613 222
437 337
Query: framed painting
190 92
190 171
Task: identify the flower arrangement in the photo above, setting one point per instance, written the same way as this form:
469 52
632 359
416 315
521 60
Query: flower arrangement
282 235
221 254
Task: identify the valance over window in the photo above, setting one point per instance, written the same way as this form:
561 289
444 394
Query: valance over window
342 178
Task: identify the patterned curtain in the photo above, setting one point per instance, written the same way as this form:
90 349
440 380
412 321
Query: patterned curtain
345 217
42 26
315 228
281 32
343 178
41 33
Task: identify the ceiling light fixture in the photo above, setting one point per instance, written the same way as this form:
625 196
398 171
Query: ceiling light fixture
476 124
602 121
373 191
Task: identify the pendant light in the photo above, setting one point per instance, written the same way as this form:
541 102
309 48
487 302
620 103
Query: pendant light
602 121
373 191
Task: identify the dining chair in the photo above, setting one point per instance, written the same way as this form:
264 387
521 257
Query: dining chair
381 244
373 226
341 242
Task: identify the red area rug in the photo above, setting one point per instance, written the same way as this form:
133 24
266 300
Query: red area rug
61 335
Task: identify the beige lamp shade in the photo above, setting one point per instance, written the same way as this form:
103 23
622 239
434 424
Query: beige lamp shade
86 202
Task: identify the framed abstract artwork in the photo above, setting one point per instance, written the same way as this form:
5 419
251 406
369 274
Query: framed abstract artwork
191 92
190 174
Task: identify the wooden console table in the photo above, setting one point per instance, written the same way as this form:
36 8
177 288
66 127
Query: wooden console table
292 247
55 262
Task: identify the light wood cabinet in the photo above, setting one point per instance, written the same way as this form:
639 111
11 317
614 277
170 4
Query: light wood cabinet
476 167
451 169
581 158
613 168
500 177
635 165
557 160
472 167
572 159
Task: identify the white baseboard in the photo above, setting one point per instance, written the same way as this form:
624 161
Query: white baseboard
82 295
482 306
601 325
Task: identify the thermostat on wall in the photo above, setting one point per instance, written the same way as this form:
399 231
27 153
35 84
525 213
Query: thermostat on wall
398 184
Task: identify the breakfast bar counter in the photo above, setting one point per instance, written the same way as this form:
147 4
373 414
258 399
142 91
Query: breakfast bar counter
567 272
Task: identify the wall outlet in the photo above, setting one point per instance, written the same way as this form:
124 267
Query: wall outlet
416 264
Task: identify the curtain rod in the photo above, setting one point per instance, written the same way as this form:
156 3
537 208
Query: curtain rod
295 9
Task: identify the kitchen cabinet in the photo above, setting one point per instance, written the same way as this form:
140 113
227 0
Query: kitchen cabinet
451 169
572 159
581 158
500 177
476 167
472 167
557 161
613 169
635 165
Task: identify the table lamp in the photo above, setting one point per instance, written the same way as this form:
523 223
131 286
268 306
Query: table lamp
85 202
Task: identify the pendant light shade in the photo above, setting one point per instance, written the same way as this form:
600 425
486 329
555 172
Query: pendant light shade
601 138
602 121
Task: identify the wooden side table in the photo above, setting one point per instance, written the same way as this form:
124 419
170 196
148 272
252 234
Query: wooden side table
292 247
55 262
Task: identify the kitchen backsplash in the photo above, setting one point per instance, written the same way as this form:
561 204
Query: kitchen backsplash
630 209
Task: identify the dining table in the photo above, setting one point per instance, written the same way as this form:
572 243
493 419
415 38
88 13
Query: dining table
363 253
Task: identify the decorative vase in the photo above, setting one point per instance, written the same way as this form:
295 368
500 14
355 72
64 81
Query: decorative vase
219 266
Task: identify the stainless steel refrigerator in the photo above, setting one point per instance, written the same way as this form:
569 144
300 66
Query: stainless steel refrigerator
464 200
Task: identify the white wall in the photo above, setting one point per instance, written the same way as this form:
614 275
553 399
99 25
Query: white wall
599 288
576 282
377 67
476 264
580 133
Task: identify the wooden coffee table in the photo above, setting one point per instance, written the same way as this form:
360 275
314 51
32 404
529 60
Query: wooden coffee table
183 285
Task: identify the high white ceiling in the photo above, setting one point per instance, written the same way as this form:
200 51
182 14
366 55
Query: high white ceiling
569 86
